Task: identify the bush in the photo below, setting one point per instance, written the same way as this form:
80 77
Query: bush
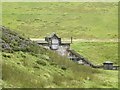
6 55
36 66
53 63
63 67
41 62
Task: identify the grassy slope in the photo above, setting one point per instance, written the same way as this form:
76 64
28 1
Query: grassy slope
67 19
21 70
98 52
80 20
37 67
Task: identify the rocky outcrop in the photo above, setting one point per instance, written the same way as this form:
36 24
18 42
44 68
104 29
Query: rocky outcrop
11 41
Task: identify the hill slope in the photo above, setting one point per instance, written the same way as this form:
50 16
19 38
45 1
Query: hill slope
98 52
25 64
80 20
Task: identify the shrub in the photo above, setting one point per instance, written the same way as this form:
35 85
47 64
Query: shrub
6 55
41 62
35 66
53 63
63 67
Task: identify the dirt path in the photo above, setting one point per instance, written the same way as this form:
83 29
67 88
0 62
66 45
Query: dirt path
82 40
95 40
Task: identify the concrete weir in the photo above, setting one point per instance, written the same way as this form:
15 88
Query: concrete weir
53 42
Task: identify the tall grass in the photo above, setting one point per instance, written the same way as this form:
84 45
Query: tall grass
23 70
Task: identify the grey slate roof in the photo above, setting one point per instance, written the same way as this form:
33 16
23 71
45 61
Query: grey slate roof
108 62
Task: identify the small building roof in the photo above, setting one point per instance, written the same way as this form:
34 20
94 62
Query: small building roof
107 62
52 35
42 41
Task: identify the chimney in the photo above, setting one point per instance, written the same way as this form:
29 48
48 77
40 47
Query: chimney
71 39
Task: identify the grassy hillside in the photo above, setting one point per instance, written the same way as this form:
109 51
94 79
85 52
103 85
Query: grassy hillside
37 67
98 52
80 20
26 64
30 71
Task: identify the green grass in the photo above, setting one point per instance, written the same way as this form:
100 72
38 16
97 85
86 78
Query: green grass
31 66
25 72
97 52
44 68
80 20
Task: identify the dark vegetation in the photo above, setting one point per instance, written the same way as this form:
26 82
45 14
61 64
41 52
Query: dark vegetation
11 42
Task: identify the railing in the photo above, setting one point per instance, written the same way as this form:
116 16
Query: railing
75 55
80 57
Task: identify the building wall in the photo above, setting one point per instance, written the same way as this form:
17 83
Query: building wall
62 50
108 66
